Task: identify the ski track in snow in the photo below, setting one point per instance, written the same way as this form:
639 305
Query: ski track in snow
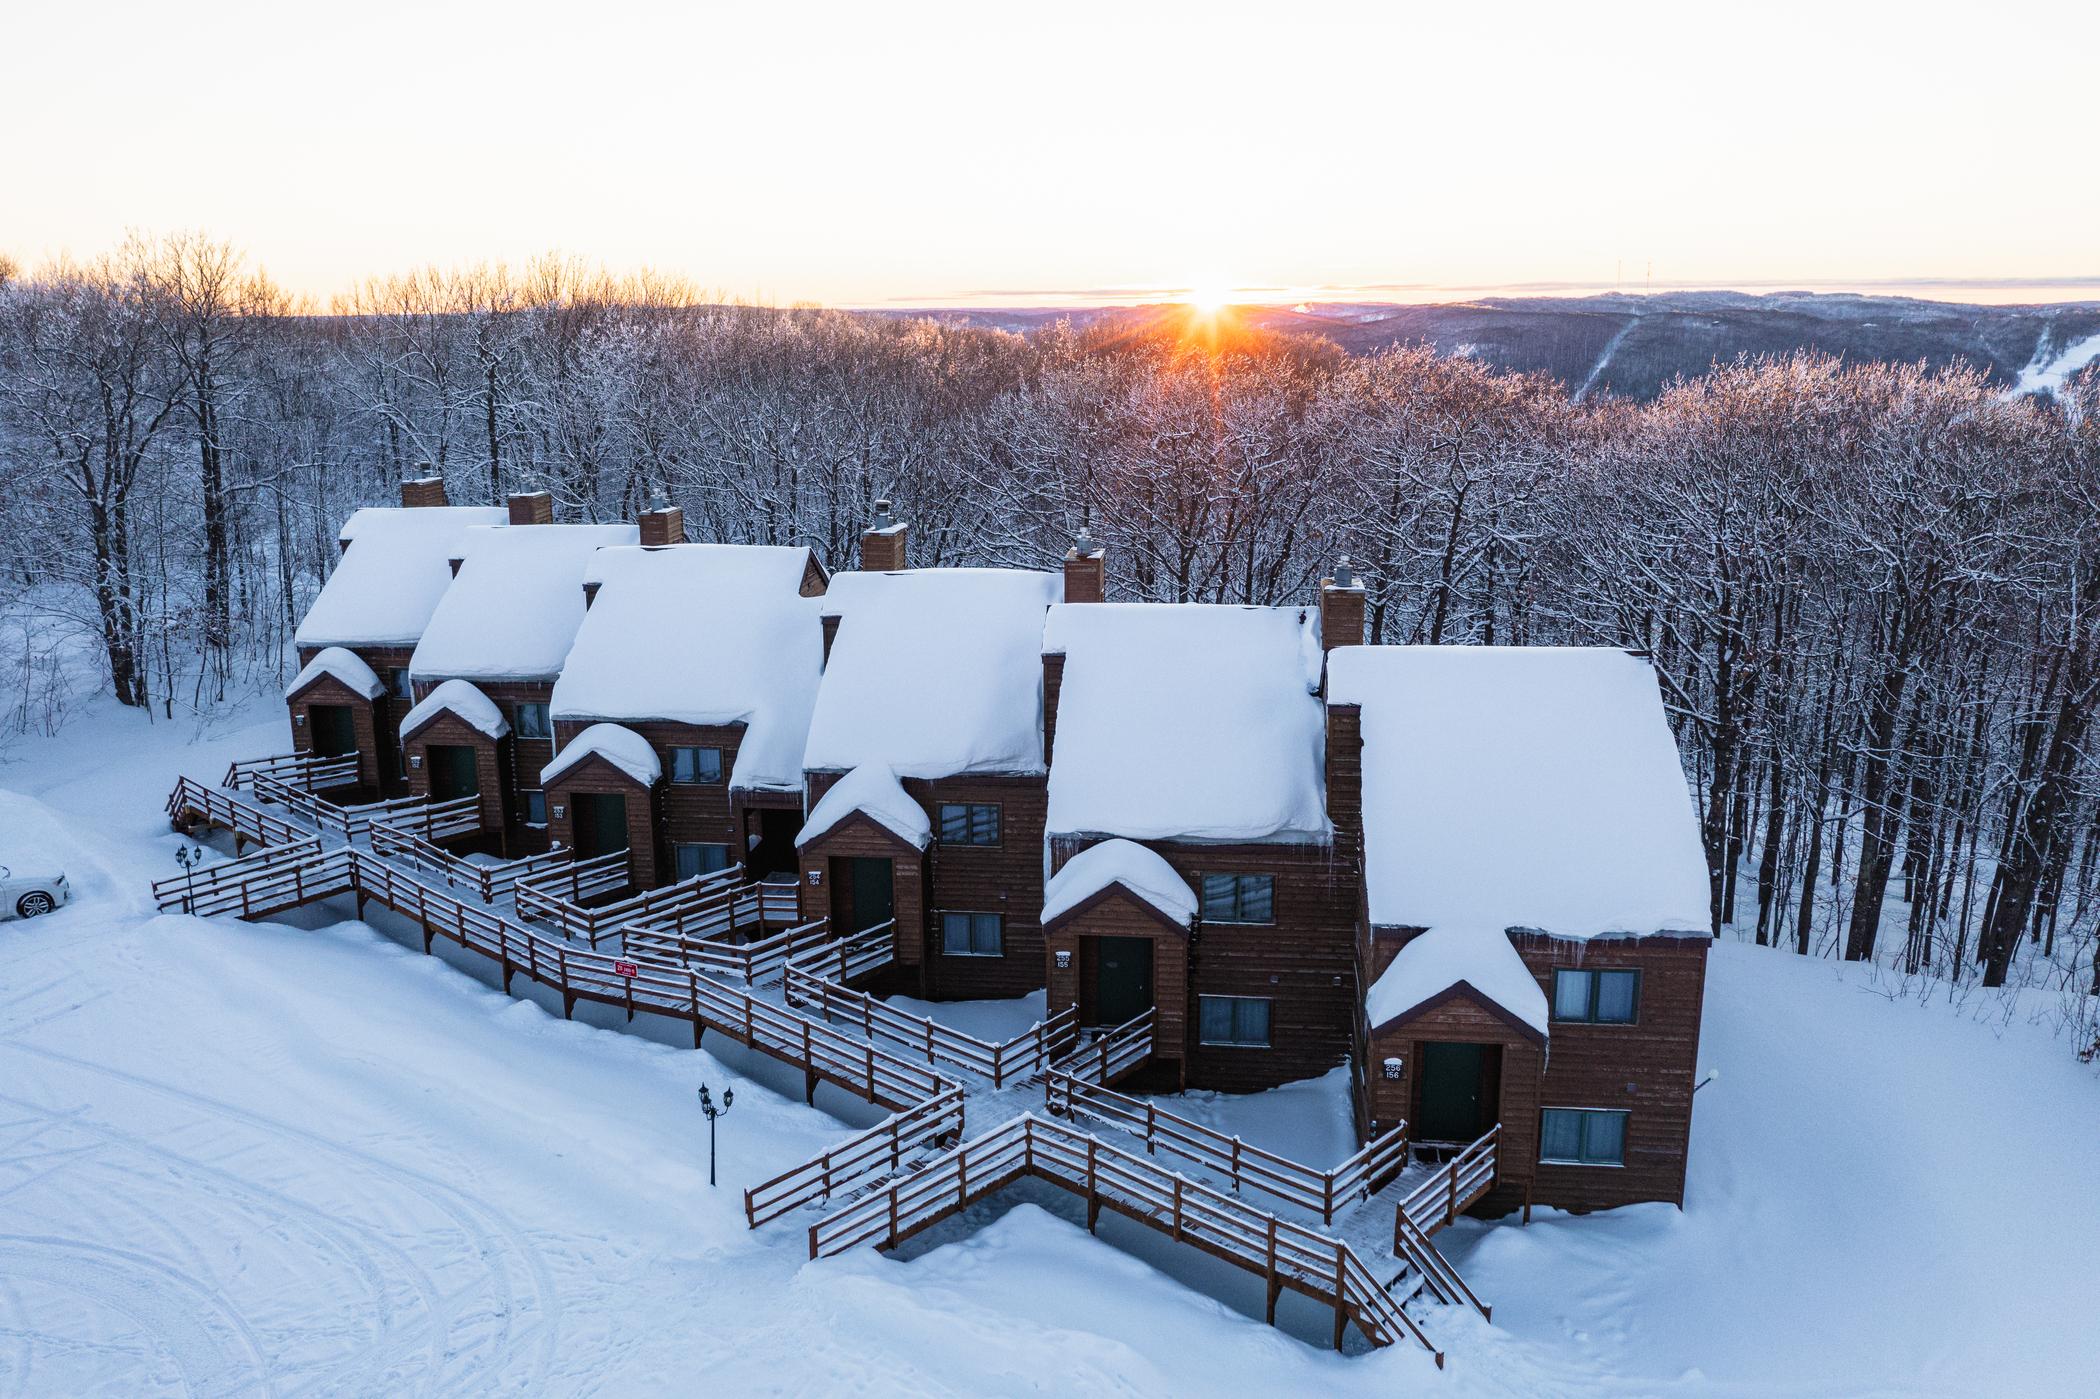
2047 374
1611 347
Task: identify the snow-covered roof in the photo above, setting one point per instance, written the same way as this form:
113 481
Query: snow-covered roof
872 789
358 677
388 582
1120 862
934 671
462 698
623 748
702 634
1434 962
1188 722
1520 787
516 604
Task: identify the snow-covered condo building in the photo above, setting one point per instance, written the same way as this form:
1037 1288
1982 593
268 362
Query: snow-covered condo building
1471 873
357 638
485 669
700 660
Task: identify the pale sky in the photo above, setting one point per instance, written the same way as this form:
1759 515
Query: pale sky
921 154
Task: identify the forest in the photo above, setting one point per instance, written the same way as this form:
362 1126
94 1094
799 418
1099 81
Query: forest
1869 589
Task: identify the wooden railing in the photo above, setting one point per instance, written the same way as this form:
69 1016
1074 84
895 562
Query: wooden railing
352 823
879 1151
880 1023
731 909
1113 1055
301 770
434 821
247 821
1289 1256
1463 1179
760 962
490 882
580 975
1243 1167
276 878
1426 1261
556 899
844 959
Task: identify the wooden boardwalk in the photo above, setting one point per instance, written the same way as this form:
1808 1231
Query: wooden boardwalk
910 1171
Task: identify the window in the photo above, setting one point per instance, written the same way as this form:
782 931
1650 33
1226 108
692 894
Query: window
535 808
969 823
696 765
1599 997
1240 1020
397 681
696 860
971 935
1582 1137
1239 898
530 720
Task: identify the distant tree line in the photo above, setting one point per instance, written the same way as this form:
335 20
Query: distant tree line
1870 590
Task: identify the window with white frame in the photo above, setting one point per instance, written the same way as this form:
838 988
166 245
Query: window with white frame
530 721
1582 1137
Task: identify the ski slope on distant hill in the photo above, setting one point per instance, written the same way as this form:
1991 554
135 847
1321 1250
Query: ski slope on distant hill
245 1159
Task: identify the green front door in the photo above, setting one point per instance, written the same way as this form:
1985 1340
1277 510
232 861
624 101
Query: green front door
453 772
335 733
863 892
1455 1090
1122 979
601 823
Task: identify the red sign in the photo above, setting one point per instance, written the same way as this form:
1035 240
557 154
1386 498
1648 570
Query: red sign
625 969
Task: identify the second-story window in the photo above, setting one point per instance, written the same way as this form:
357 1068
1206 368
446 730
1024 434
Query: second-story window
1596 995
696 765
969 823
401 685
530 721
1239 898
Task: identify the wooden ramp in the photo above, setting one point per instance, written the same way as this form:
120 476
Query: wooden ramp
1288 1256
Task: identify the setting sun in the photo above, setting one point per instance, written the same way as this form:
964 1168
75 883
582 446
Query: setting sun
1209 297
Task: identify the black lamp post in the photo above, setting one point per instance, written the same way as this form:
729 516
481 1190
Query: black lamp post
189 857
707 1105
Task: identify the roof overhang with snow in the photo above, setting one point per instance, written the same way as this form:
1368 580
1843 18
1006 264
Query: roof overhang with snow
343 667
873 792
621 749
1446 963
1119 867
464 701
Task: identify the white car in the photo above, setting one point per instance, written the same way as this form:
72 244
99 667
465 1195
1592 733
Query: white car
30 893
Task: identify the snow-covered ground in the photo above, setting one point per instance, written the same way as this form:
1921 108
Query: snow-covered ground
272 1159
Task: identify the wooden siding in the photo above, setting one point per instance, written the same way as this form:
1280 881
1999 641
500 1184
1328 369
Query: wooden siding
387 712
1006 879
1303 963
326 689
858 837
594 774
521 758
491 767
1646 1068
1116 913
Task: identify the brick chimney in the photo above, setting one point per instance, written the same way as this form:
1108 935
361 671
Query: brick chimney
1341 607
532 508
426 489
662 525
882 545
1086 569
